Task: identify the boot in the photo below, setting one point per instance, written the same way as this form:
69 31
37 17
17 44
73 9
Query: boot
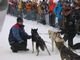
13 50
26 49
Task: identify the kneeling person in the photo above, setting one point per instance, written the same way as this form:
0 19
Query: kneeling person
18 37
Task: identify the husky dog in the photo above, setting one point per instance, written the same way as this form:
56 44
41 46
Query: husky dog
39 42
52 35
65 52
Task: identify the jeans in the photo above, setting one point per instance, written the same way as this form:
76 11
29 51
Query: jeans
28 15
60 22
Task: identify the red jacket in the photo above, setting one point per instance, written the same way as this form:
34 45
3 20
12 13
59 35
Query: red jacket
51 6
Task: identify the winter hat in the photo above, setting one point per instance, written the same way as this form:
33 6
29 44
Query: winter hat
19 19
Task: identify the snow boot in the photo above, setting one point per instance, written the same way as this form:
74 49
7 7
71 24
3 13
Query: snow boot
13 50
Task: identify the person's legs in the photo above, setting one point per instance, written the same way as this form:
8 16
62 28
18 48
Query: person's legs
52 20
76 46
78 27
49 19
25 45
17 46
70 42
60 23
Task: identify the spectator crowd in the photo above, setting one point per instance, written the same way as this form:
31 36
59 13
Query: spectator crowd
46 12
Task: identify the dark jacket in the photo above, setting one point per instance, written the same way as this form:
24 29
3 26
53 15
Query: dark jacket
17 34
70 27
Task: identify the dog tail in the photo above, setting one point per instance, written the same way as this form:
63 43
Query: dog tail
40 44
42 47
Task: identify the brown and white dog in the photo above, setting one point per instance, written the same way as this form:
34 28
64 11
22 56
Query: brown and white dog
65 52
52 35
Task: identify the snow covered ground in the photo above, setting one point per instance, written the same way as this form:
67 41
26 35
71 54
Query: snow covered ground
7 54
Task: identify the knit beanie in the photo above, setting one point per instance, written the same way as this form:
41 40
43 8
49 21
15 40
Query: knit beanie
19 19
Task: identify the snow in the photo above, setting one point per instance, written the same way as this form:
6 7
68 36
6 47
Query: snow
7 54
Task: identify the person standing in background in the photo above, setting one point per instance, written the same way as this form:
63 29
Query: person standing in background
58 10
51 13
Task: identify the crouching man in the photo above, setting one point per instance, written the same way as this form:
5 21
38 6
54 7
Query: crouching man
18 37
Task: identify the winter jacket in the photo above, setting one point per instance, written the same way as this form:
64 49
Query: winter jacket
20 5
39 9
58 10
17 34
51 7
28 7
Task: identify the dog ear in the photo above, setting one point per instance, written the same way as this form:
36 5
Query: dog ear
31 28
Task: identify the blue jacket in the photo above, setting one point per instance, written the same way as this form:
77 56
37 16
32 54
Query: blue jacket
17 34
58 10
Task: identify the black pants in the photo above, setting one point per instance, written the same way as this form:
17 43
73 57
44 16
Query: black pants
19 46
52 19
70 39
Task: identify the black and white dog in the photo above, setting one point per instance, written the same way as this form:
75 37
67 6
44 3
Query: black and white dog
39 42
